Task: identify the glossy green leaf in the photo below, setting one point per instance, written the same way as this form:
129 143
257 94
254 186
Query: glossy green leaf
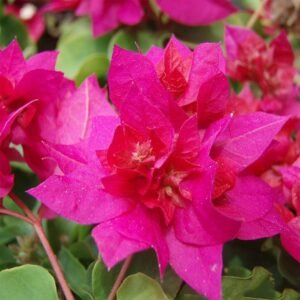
10 28
75 273
140 287
260 284
27 283
289 294
78 47
289 268
103 280
96 63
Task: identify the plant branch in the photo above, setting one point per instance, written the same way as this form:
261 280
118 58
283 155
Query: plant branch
53 260
22 205
15 214
38 226
120 278
256 14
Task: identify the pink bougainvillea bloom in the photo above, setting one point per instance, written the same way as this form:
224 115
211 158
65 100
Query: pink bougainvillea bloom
269 66
130 75
197 12
29 95
106 15
194 80
41 105
30 15
147 178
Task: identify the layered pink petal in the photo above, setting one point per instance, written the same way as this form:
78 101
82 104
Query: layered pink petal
199 267
79 199
197 12
77 111
290 238
246 138
13 64
113 246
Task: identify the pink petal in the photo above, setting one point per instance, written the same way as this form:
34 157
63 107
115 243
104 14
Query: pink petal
43 60
13 64
195 12
283 51
290 238
199 267
249 200
132 75
145 117
266 226
236 38
144 226
79 199
77 111
6 179
246 138
200 223
107 15
113 246
212 99
208 61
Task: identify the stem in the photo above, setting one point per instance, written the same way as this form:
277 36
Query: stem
120 278
15 214
37 224
21 204
53 260
256 14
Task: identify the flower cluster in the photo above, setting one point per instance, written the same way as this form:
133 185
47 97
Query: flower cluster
168 157
108 15
171 167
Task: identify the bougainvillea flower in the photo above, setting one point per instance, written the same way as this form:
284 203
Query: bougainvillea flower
291 185
269 66
194 80
29 14
147 179
243 103
138 177
197 12
41 105
132 74
106 15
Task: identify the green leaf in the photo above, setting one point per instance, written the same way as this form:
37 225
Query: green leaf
61 232
247 4
140 287
259 284
10 28
75 274
78 48
122 38
289 268
171 282
6 257
103 280
27 283
186 293
96 63
289 294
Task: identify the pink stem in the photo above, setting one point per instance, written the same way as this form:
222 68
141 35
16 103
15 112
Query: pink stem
120 278
37 224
